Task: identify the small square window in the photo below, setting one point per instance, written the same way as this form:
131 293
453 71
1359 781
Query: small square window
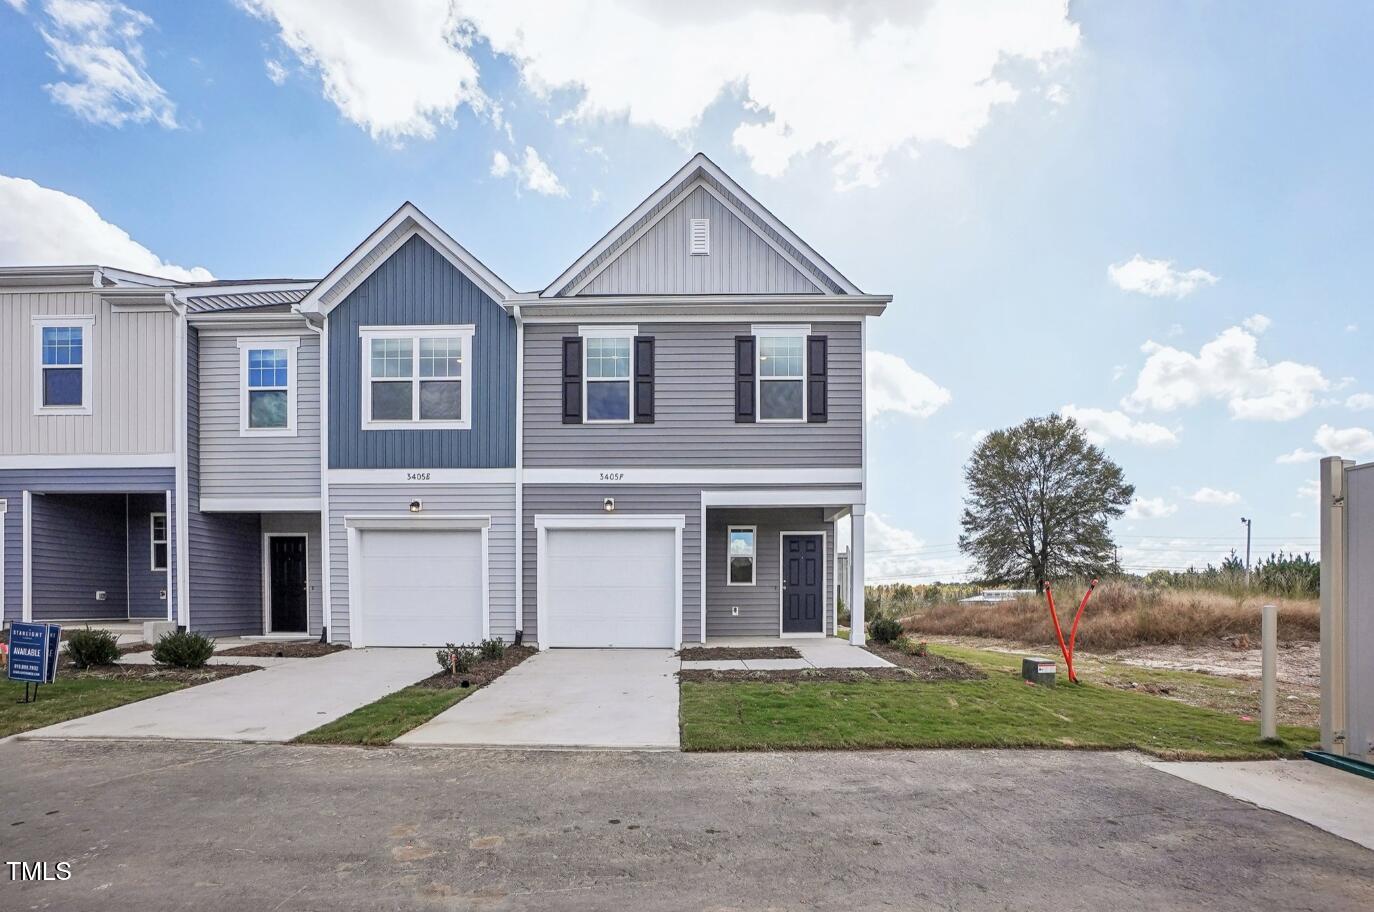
740 555
61 369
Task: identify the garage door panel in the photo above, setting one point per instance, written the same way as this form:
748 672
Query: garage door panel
611 587
420 587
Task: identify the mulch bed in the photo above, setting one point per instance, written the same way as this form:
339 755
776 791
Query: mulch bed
709 653
155 672
482 673
927 667
795 676
301 650
137 647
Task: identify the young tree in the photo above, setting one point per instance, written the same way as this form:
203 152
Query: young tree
1039 500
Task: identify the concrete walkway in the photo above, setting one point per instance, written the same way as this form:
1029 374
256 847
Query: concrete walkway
274 704
1330 799
828 652
601 699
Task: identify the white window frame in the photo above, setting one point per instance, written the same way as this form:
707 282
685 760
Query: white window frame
753 554
776 330
608 332
86 322
291 345
153 542
367 334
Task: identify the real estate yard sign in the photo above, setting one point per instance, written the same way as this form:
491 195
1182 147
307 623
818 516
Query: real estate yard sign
33 652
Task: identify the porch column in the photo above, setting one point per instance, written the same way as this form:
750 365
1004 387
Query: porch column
856 575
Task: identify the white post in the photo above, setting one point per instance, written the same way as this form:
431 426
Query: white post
856 575
1269 636
1331 513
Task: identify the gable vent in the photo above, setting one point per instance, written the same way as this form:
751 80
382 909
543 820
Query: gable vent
701 236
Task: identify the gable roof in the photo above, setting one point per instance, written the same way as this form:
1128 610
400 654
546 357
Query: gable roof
700 171
405 223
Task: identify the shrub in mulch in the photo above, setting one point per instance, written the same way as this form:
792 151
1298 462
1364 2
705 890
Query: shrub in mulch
927 667
184 649
481 671
710 653
884 629
92 646
301 650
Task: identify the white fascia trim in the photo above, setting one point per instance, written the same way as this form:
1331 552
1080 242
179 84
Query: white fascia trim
87 324
796 497
608 331
435 236
291 344
260 505
414 333
782 329
452 521
91 461
420 478
619 476
544 522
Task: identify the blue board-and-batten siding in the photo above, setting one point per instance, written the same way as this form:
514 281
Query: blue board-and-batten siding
13 484
417 285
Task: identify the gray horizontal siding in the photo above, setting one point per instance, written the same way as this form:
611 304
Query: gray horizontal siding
14 482
133 356
309 524
226 573
496 501
417 285
740 261
146 585
78 549
759 604
588 499
256 466
695 416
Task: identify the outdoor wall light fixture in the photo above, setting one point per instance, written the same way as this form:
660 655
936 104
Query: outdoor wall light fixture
415 506
608 504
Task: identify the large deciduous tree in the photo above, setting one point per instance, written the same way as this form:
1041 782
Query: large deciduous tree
1040 498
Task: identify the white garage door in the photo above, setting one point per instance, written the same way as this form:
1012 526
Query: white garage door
610 587
419 587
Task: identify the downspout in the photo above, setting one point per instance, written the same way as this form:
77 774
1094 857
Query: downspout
519 475
181 554
326 620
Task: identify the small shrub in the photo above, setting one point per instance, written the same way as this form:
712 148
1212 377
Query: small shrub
183 649
492 650
842 614
457 659
912 647
89 647
884 629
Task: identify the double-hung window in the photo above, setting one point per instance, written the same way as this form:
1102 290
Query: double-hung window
607 390
740 555
417 377
62 365
157 525
267 387
781 372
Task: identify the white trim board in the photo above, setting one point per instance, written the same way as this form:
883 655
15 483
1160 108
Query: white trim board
420 477
791 497
543 522
622 476
260 505
90 461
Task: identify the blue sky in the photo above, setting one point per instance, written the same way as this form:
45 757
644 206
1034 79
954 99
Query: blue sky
986 166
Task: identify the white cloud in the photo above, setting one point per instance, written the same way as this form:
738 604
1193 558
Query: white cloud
1214 498
1257 323
1352 327
1150 508
1349 442
892 553
397 70
1360 402
17 4
1057 94
96 46
1102 425
1310 489
1301 454
39 225
275 72
531 172
1230 369
1157 278
895 386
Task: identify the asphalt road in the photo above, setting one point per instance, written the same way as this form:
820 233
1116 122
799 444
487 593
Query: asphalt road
156 826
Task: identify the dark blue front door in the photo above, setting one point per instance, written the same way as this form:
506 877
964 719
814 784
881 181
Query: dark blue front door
803 592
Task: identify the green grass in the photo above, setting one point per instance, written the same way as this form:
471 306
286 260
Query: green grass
1000 711
387 719
69 698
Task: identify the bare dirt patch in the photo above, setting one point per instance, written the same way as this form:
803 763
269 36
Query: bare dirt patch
927 667
482 673
293 650
156 672
711 653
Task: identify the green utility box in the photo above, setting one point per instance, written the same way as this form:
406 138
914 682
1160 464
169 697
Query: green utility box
1038 671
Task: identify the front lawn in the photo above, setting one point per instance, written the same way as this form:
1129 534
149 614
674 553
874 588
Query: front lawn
71 697
999 711
387 719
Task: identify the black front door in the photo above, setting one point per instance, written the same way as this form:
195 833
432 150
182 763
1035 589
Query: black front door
803 592
286 562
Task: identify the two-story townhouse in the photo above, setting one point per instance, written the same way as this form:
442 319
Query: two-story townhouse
90 441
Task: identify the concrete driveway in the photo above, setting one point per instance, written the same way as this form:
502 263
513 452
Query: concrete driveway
274 704
153 826
606 699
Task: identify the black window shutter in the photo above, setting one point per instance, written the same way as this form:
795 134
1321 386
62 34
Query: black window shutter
572 380
644 379
744 379
817 379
